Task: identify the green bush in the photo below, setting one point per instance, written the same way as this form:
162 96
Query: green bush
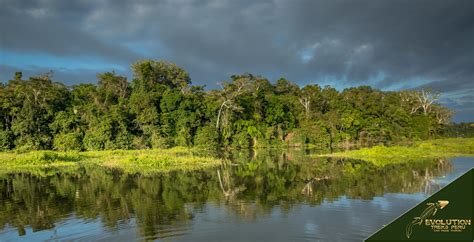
123 140
36 142
5 140
94 141
67 141
160 142
183 138
206 136
313 134
241 140
140 142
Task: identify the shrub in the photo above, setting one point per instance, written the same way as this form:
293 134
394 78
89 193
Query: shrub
206 136
5 140
160 142
67 141
314 134
241 140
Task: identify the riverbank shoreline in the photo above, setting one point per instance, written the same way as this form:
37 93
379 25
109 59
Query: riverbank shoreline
428 149
188 159
153 160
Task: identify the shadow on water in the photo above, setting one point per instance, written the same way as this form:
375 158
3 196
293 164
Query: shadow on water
248 185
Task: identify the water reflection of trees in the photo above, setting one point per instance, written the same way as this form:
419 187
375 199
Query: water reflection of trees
250 185
282 179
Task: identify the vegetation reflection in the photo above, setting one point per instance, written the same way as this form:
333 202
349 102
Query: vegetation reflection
249 185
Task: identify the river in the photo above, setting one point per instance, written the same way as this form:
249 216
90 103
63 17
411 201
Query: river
269 195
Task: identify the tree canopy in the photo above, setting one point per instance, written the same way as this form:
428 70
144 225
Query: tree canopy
160 108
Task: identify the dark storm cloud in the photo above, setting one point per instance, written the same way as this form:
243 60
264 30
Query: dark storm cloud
33 28
384 43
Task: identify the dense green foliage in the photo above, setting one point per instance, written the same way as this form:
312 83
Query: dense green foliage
160 108
440 148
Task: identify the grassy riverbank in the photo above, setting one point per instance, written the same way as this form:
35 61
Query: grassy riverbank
165 160
162 160
439 148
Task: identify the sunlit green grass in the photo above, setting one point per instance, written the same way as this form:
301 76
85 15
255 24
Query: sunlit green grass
439 148
162 160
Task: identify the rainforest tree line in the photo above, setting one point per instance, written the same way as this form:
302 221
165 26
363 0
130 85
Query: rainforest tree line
160 108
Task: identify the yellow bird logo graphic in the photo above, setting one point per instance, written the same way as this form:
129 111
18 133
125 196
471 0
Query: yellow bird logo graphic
430 211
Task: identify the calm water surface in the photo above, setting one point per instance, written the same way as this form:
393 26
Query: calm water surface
264 196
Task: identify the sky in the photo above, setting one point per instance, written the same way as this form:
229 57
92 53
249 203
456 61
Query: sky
387 44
